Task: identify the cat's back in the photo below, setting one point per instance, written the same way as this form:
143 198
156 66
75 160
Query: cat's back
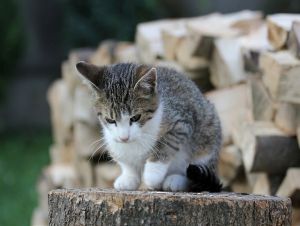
174 86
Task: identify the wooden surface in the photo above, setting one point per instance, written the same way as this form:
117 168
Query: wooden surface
109 207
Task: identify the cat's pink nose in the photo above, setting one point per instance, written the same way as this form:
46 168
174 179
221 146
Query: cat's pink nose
124 139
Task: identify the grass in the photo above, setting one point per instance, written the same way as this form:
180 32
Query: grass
22 156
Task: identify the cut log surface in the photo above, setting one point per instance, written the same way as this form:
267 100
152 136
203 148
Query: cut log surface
252 45
286 118
230 163
268 149
263 107
294 39
109 207
290 186
281 75
279 26
87 140
83 107
72 76
227 63
149 38
267 184
104 53
232 107
61 104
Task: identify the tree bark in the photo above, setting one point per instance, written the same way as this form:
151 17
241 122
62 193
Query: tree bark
109 207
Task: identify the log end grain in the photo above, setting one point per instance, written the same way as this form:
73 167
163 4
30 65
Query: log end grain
109 207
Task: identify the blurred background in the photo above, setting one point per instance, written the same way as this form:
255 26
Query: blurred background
36 37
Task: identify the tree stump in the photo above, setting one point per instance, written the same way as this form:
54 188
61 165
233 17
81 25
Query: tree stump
109 207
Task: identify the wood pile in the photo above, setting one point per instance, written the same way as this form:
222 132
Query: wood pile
248 66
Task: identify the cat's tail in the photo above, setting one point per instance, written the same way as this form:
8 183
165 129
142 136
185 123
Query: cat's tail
203 178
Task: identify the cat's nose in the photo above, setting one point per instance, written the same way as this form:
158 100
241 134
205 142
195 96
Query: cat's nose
124 139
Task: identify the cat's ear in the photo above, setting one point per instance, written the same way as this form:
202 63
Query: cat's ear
90 73
147 78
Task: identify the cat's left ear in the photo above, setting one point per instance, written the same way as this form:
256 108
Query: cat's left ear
90 73
147 80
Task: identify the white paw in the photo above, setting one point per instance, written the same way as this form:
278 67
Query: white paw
154 174
127 183
176 182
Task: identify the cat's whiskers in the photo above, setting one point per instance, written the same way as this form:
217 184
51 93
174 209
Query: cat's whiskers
97 149
146 146
96 142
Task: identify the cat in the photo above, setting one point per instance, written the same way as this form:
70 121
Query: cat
157 125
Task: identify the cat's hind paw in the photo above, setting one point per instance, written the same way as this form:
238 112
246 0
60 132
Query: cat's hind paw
176 182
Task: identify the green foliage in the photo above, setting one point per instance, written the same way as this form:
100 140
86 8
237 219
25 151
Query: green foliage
10 39
22 157
87 22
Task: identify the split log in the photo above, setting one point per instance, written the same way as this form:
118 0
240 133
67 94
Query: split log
69 71
61 176
186 59
230 163
252 45
171 39
282 75
53 177
87 140
61 107
262 105
286 118
108 207
83 108
232 106
104 53
125 52
106 174
294 39
266 148
149 40
227 65
296 216
262 185
199 76
84 172
62 154
240 185
39 217
279 26
266 184
290 186
229 25
204 30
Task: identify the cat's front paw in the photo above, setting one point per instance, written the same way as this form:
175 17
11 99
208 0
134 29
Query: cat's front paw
154 174
127 183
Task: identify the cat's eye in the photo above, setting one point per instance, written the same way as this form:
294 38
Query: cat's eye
110 121
135 118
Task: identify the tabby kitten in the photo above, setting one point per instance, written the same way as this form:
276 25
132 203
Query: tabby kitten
157 126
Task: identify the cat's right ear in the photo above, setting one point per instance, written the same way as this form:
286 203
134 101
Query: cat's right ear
90 73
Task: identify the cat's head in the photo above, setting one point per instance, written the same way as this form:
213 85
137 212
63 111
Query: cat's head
125 98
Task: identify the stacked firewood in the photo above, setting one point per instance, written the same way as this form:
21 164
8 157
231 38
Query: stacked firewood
248 66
